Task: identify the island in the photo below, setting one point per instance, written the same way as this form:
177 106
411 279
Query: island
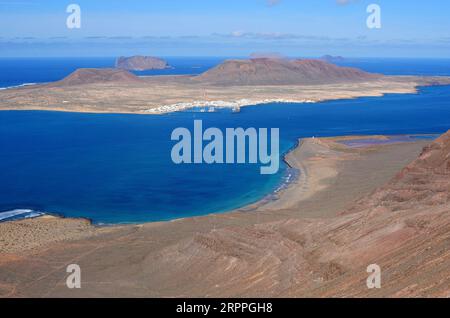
141 63
234 83
332 59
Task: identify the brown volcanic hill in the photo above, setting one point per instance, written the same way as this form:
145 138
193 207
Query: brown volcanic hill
404 227
268 71
97 75
141 63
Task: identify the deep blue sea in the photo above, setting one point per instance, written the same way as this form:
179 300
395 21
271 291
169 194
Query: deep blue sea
115 168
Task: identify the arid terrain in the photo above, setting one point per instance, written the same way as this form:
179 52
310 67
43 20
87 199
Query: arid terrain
234 83
351 207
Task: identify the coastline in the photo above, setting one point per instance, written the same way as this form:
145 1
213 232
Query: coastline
149 259
180 94
21 85
317 159
234 105
285 182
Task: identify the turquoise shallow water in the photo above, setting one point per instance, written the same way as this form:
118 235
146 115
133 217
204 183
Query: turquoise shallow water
115 168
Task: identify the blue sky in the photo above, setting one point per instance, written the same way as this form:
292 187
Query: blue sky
410 28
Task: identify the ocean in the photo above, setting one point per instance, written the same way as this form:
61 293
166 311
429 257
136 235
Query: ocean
116 168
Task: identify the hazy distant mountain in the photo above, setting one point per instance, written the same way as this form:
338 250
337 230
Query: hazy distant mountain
141 63
332 59
269 71
98 75
267 55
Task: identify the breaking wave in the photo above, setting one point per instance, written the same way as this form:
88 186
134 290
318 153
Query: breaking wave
19 214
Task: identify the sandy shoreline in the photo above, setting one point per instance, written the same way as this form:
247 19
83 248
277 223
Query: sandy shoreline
127 257
331 173
319 162
316 159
